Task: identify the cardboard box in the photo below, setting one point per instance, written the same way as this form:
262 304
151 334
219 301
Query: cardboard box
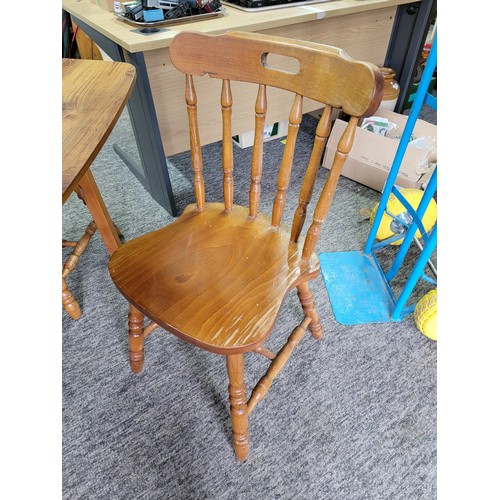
372 155
273 131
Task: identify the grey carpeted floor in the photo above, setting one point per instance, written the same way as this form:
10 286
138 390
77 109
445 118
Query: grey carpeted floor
352 416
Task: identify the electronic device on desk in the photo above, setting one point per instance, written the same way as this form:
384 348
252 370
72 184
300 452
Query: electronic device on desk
258 5
157 11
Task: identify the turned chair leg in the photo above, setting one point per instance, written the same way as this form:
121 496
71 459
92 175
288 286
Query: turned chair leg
309 307
136 339
68 299
238 404
69 302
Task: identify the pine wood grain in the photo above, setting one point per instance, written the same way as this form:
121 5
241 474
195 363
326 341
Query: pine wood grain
94 94
221 280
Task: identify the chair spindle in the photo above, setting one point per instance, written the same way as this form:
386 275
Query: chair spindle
226 101
258 150
322 134
325 199
286 163
194 139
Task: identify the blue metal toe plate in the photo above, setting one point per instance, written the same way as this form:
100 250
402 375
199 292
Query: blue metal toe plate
357 288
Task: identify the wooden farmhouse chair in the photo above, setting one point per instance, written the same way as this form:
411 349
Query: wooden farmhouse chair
217 276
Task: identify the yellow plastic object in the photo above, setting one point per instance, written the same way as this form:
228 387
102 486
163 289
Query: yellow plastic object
394 206
425 314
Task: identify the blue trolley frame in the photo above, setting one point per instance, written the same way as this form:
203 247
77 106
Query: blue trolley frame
359 290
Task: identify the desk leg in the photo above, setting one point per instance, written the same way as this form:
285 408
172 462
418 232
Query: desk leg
405 46
93 199
147 133
153 173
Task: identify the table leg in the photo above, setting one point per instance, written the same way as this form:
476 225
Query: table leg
93 199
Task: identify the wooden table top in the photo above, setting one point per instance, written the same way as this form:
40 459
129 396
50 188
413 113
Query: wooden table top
132 40
94 94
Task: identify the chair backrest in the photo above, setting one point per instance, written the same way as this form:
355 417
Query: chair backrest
325 74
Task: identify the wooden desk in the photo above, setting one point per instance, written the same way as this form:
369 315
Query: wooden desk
94 94
364 28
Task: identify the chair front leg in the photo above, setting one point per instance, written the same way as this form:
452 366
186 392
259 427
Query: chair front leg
69 302
136 339
309 307
238 404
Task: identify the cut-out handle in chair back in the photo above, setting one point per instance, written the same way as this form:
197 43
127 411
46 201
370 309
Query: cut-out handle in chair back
218 275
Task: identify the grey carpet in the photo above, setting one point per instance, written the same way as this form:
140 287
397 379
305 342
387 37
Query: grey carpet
352 416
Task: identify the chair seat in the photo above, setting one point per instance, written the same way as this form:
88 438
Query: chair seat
217 279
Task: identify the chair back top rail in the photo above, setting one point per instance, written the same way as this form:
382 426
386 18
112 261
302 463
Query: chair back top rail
327 74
